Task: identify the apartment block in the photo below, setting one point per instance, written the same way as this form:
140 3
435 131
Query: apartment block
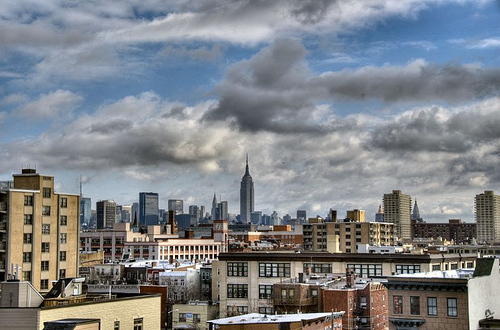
39 231
457 299
487 210
455 230
397 210
346 236
242 282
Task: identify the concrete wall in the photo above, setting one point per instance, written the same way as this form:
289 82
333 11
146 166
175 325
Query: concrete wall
483 295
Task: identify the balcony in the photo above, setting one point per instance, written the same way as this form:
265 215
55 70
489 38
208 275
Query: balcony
3 206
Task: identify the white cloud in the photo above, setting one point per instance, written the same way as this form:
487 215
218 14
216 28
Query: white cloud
50 105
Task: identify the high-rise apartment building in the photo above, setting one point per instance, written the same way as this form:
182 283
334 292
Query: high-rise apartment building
106 214
176 205
397 210
148 209
38 231
487 209
246 196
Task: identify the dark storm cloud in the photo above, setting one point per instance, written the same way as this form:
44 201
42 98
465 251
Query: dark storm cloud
275 91
311 11
435 130
267 91
418 81
110 127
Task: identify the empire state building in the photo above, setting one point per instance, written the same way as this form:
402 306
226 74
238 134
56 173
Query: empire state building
246 196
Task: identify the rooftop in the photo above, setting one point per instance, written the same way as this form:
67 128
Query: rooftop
263 318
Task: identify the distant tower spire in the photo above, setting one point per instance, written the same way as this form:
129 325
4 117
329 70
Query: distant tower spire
81 194
246 195
247 170
416 212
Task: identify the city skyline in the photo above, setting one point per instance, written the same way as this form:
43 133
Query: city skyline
337 102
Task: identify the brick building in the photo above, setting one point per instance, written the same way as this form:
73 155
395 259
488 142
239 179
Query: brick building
455 229
364 302
453 300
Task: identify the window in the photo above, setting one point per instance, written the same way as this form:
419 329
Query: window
26 275
64 202
454 266
415 305
470 264
265 291
46 192
274 269
44 284
26 256
291 293
432 308
62 255
366 270
116 325
237 269
182 317
45 228
62 273
45 247
45 265
138 324
28 219
27 238
407 269
237 310
436 267
64 220
266 310
397 307
452 307
237 291
28 200
196 318
45 210
362 302
318 268
63 238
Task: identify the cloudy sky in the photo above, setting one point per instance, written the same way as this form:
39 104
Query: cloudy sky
336 102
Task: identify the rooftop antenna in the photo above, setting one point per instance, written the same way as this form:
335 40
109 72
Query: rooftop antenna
81 186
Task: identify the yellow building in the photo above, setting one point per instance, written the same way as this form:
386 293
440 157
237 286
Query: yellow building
22 307
38 230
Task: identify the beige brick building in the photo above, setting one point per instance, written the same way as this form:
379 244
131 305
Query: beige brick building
397 210
28 310
346 236
38 230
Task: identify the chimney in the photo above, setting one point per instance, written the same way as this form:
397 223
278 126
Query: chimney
350 278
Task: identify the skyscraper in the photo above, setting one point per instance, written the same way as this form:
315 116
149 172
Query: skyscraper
106 214
148 209
379 216
487 209
85 212
246 196
176 205
397 210
213 212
